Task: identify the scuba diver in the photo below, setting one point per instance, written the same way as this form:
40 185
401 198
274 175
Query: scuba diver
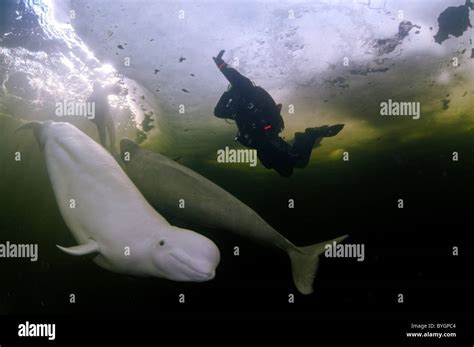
259 123
103 118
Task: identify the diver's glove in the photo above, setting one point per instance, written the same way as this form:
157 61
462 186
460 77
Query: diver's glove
219 61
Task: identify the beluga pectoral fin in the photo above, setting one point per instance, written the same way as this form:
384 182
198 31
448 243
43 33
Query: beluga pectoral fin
90 247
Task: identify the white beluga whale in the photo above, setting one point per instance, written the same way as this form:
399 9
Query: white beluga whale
110 218
166 183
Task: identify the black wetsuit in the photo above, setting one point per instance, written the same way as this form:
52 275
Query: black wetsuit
259 121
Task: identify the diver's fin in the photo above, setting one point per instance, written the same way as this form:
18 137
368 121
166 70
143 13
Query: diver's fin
324 131
36 127
333 130
305 262
84 249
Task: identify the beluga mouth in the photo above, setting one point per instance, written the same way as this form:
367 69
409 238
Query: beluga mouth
204 275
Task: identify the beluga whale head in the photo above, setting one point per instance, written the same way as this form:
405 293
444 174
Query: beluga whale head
183 255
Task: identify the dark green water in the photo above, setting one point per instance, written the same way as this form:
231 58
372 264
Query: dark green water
331 198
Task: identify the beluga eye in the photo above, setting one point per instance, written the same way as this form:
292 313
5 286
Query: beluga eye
162 243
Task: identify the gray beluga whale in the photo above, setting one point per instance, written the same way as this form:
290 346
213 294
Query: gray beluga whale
110 218
165 182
